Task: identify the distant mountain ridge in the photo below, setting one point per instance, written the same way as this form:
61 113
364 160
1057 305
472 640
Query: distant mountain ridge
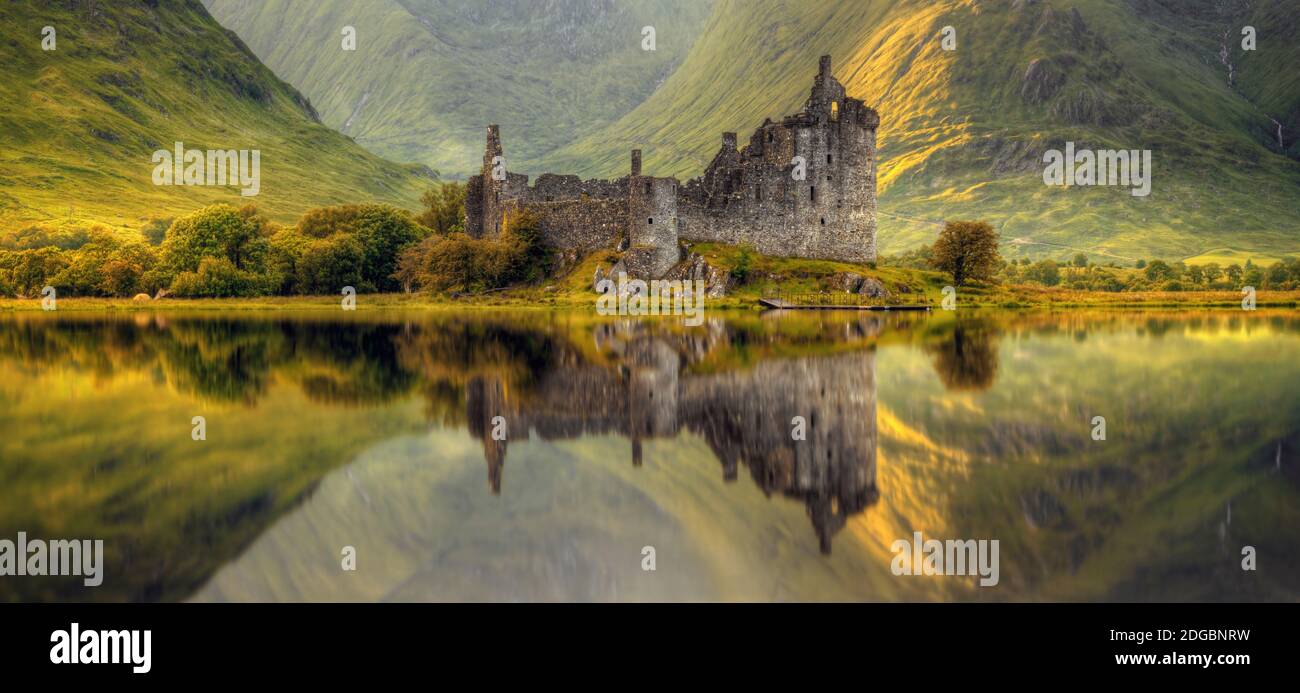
428 75
963 132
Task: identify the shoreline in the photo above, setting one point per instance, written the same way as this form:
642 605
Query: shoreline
744 302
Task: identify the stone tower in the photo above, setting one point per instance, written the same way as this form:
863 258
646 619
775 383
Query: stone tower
651 223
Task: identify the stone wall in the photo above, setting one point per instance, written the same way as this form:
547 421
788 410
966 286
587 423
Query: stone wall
582 224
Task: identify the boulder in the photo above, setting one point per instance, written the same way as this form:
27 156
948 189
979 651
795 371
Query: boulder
696 268
848 282
873 288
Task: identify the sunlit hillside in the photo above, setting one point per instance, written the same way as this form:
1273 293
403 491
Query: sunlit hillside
963 132
79 123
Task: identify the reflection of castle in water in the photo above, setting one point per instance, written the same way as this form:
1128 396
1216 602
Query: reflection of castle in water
744 415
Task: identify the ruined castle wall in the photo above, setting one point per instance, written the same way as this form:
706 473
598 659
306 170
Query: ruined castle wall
752 197
551 187
474 203
746 196
579 224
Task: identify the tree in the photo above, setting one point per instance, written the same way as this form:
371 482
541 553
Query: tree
83 275
155 231
329 264
383 231
444 208
35 268
1158 270
1196 274
1234 274
240 236
125 271
1276 275
1140 264
1045 272
1079 260
968 250
287 247
1212 272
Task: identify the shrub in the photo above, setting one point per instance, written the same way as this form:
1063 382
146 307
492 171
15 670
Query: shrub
444 208
744 265
217 277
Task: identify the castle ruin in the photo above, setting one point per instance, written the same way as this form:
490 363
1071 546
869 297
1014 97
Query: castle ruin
803 187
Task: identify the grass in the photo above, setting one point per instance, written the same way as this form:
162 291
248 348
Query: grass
1228 256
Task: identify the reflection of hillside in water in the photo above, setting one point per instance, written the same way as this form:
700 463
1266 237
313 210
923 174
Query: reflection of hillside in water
297 396
745 415
638 380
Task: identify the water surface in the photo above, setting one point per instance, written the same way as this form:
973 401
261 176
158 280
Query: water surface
375 431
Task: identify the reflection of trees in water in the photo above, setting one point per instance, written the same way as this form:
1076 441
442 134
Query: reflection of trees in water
968 358
724 385
226 360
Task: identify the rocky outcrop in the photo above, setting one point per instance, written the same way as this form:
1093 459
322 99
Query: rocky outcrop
854 283
696 268
1043 78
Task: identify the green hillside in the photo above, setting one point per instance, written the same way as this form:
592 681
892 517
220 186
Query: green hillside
427 76
963 132
80 123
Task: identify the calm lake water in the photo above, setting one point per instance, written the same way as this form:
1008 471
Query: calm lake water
375 431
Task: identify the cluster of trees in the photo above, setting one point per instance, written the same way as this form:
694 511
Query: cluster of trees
968 251
1153 275
100 264
457 262
222 251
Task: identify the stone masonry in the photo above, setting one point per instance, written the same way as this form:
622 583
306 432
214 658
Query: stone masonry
803 187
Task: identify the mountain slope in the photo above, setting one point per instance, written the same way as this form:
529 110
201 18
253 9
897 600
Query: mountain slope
963 132
80 123
427 76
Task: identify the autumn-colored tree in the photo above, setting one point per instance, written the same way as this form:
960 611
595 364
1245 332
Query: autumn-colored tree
968 250
444 208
